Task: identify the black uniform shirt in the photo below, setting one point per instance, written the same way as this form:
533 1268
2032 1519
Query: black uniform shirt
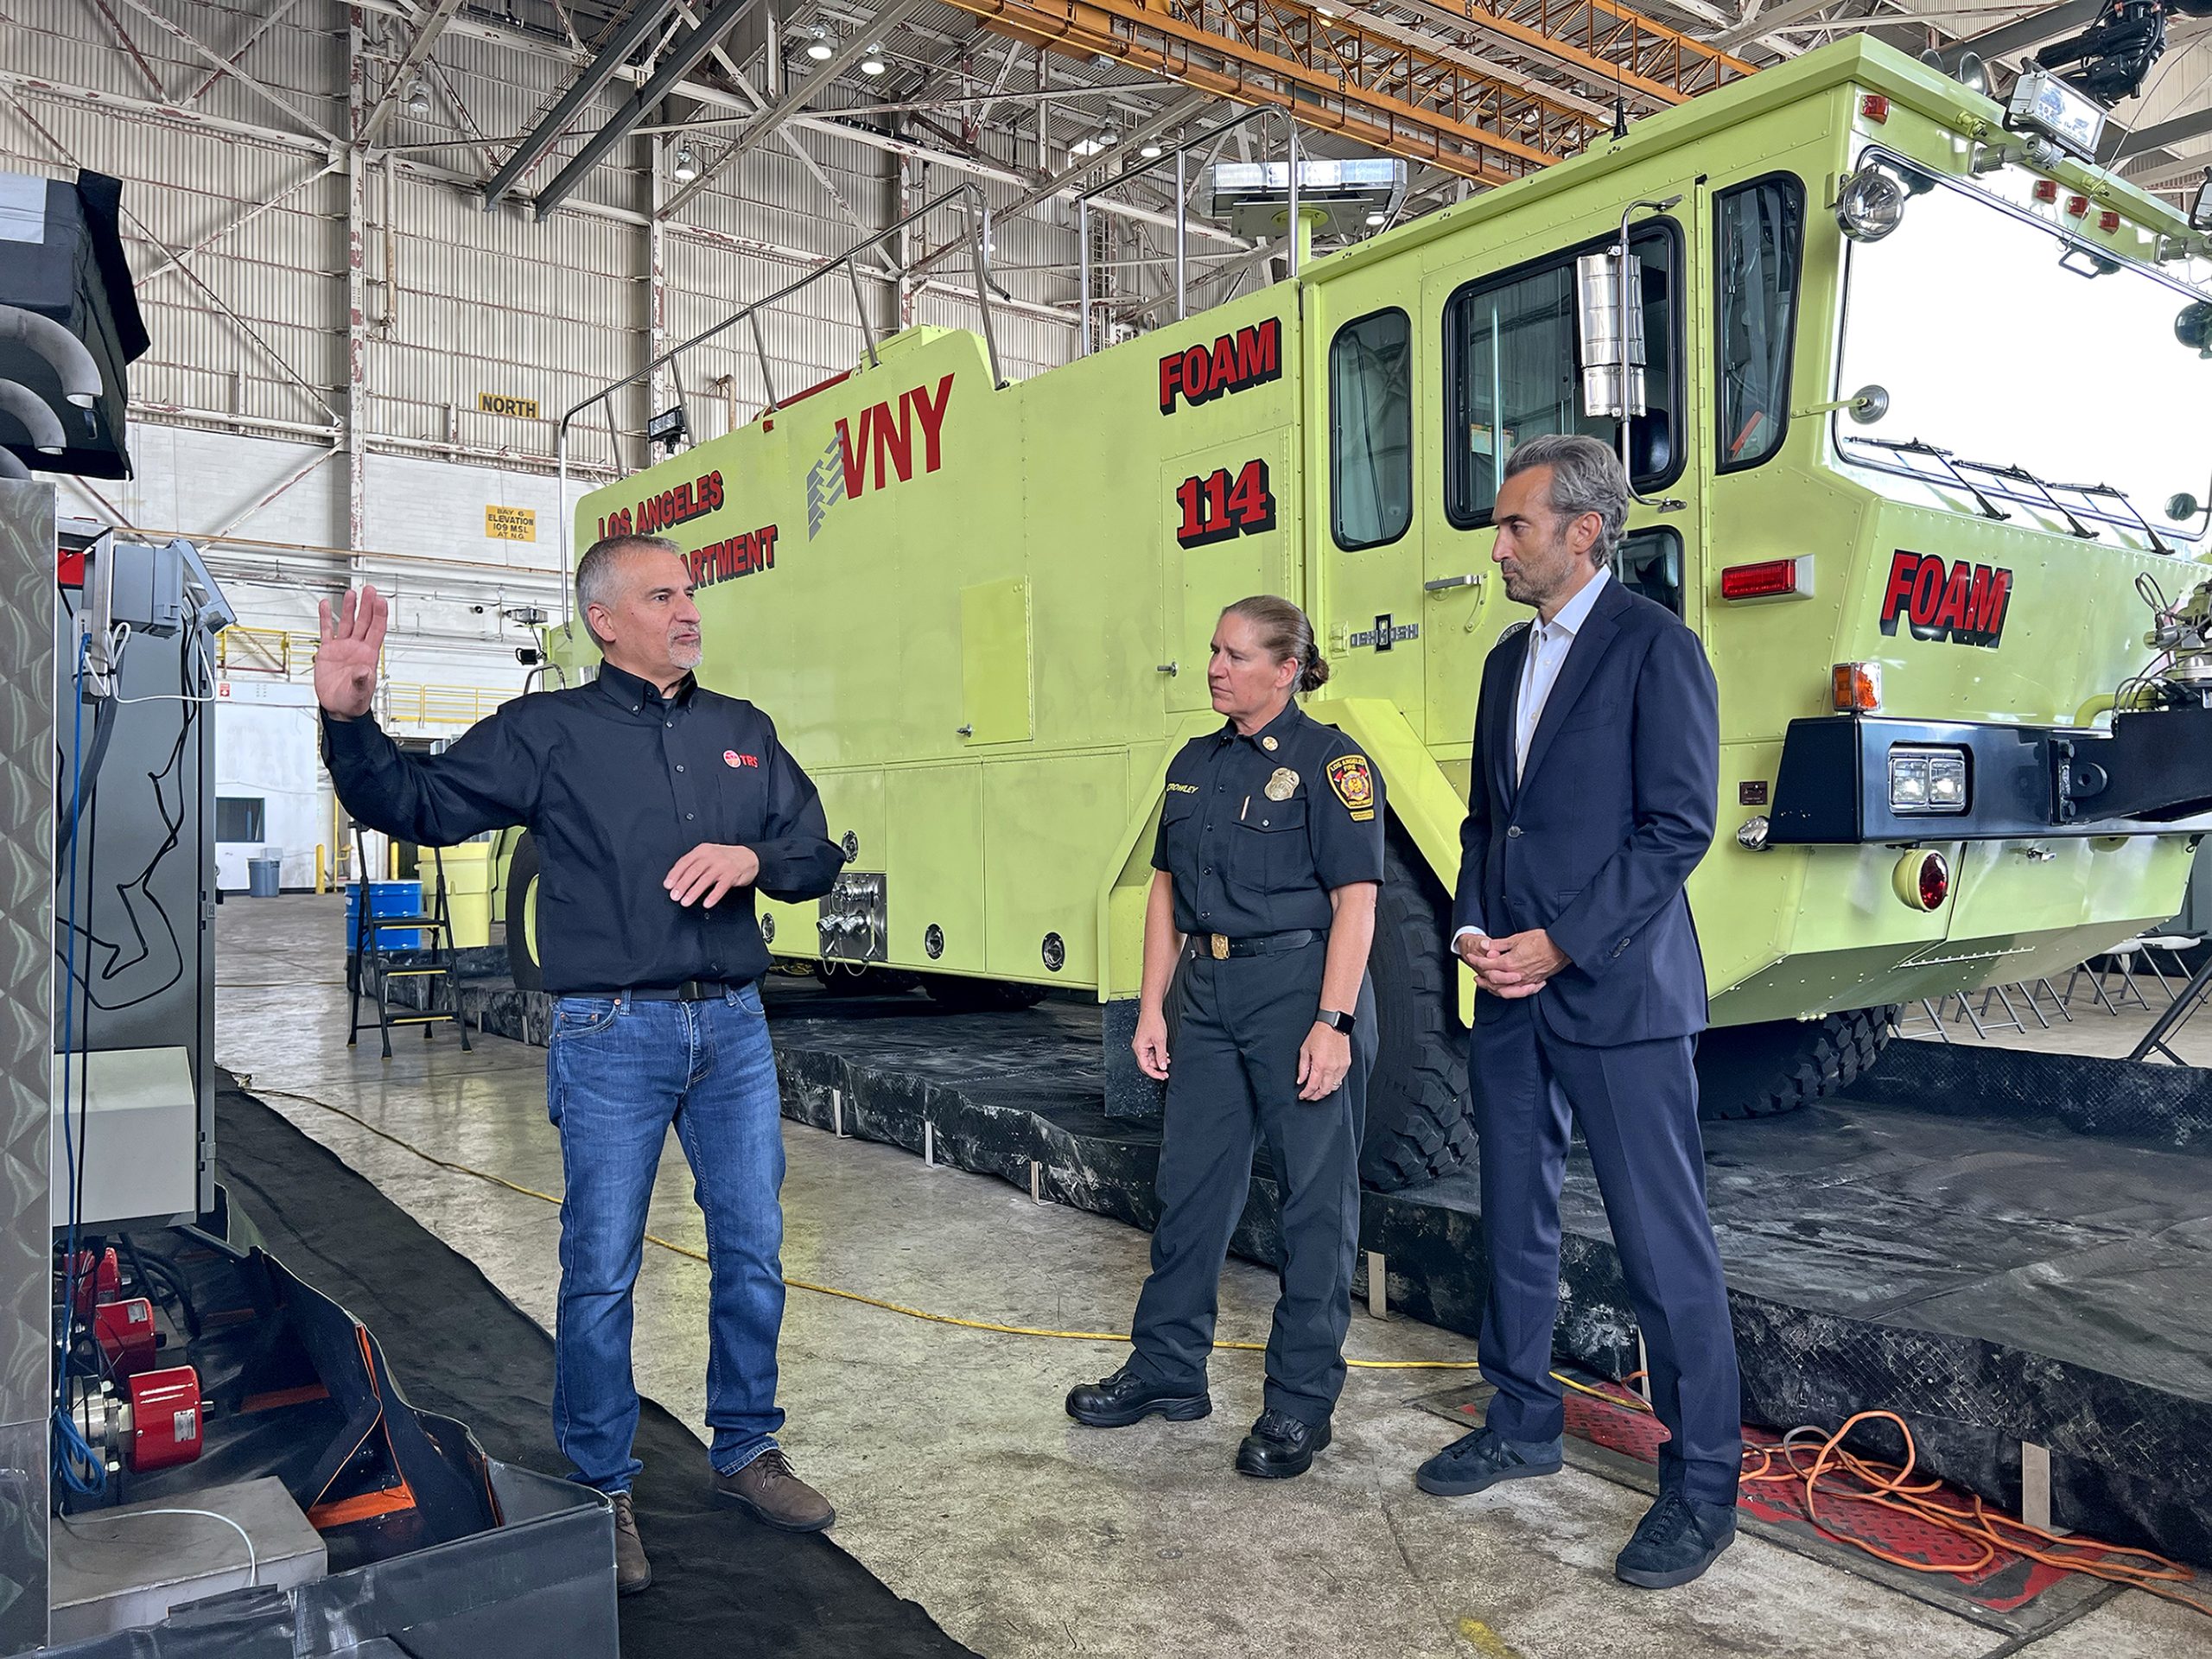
1256 831
616 783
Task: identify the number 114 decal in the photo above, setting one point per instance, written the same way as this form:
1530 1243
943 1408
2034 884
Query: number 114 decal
1214 509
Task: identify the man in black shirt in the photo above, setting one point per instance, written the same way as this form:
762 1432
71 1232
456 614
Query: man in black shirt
659 807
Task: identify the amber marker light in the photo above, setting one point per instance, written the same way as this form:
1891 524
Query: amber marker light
1855 688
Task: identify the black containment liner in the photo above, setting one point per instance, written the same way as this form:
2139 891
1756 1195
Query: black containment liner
72 274
432 1544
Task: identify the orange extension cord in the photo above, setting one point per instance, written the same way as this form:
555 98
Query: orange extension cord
1836 1474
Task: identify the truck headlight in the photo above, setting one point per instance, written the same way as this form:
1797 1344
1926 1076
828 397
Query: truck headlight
1928 780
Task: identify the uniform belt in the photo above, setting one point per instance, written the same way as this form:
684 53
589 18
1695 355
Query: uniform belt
1219 947
691 990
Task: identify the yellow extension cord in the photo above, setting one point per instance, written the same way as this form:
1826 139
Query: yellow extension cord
874 1302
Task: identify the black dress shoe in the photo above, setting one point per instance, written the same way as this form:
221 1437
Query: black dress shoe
1475 1462
1280 1446
1677 1540
1126 1398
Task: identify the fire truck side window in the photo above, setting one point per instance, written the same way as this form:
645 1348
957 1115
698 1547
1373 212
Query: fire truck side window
1650 561
1372 430
1760 248
1510 354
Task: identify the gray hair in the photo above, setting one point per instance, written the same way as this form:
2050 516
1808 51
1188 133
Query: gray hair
595 572
1587 477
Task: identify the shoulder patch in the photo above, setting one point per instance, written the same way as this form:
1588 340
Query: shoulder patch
1354 783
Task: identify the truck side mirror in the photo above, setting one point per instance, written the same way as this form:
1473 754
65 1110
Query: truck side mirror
1609 309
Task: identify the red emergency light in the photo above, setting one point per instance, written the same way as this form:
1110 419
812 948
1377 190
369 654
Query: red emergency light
1768 579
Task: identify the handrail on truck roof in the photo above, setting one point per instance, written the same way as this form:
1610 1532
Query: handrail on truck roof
979 224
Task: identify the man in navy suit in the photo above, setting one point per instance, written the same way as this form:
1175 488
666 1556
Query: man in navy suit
1591 797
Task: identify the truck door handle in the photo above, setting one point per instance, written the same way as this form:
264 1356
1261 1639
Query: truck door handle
1444 583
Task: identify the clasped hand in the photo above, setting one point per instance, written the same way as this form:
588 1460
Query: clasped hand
708 871
1515 966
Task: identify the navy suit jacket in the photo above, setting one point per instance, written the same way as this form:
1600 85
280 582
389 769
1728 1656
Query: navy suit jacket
1614 808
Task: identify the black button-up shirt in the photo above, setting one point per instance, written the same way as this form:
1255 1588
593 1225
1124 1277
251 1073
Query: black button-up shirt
1256 831
616 783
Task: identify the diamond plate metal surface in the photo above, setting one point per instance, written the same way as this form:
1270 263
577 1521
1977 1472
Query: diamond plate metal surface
26 694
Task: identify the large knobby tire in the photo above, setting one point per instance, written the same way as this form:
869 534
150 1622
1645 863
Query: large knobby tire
1779 1065
1418 1126
522 917
961 995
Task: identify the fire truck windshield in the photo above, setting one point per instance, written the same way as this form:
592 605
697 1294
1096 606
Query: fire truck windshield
2067 385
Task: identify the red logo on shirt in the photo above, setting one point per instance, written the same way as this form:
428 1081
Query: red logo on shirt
731 757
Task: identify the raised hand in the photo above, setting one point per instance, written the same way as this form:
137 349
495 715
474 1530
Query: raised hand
352 645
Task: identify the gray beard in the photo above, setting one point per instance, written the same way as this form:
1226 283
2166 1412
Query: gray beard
686 658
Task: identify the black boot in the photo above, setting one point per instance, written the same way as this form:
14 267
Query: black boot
1279 1446
1126 1398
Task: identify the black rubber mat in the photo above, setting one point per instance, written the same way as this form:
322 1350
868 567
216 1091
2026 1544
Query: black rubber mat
723 1584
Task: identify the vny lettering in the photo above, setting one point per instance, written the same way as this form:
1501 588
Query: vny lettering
887 439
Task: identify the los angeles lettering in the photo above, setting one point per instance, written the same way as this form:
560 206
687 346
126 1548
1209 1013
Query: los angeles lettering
673 506
887 439
1964 603
1250 357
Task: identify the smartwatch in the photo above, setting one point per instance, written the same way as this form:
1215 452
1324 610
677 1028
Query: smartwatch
1334 1020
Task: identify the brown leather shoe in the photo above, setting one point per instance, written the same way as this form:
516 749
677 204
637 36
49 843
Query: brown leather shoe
632 1572
774 1494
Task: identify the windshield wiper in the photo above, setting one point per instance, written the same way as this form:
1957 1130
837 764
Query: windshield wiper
2157 542
1941 458
2017 474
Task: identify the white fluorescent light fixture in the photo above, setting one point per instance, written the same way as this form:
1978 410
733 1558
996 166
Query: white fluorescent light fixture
1096 144
1343 194
2042 103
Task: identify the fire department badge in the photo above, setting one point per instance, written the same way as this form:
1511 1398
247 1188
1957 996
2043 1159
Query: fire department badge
1354 783
1283 786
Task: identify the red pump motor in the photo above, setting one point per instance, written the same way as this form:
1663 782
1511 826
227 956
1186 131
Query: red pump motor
124 1332
155 1424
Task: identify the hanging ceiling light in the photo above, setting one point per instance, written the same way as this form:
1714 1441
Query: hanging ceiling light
819 49
1378 219
874 64
418 101
687 165
1152 152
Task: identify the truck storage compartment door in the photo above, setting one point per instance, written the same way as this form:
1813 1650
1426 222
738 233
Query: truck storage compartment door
1224 512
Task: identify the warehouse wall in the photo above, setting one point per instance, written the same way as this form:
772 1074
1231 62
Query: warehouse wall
240 408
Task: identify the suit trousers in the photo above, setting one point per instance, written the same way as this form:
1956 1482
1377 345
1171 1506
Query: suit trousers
1637 1106
1232 1081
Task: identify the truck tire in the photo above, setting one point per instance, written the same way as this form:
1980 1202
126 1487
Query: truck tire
1778 1065
959 994
1418 1126
522 917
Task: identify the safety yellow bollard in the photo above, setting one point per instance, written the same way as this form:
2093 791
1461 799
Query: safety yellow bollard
320 885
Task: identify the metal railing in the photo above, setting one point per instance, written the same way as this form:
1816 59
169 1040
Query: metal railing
439 705
1210 138
979 227
261 650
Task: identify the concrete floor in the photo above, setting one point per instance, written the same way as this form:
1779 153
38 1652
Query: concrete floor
958 1479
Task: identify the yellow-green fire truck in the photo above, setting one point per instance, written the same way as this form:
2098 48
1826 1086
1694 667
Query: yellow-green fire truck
1926 399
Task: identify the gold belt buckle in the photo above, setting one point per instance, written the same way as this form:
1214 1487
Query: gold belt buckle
1221 947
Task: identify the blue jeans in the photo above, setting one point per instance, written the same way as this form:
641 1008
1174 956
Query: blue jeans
619 1073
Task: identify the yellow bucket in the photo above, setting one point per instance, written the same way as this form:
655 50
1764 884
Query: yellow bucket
468 892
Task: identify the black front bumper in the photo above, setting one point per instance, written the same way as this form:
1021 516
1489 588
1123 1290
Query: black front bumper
2152 770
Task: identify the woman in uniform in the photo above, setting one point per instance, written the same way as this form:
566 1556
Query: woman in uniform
1269 855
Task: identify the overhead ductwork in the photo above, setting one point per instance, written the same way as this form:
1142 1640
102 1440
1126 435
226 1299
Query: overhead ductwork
69 324
30 411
